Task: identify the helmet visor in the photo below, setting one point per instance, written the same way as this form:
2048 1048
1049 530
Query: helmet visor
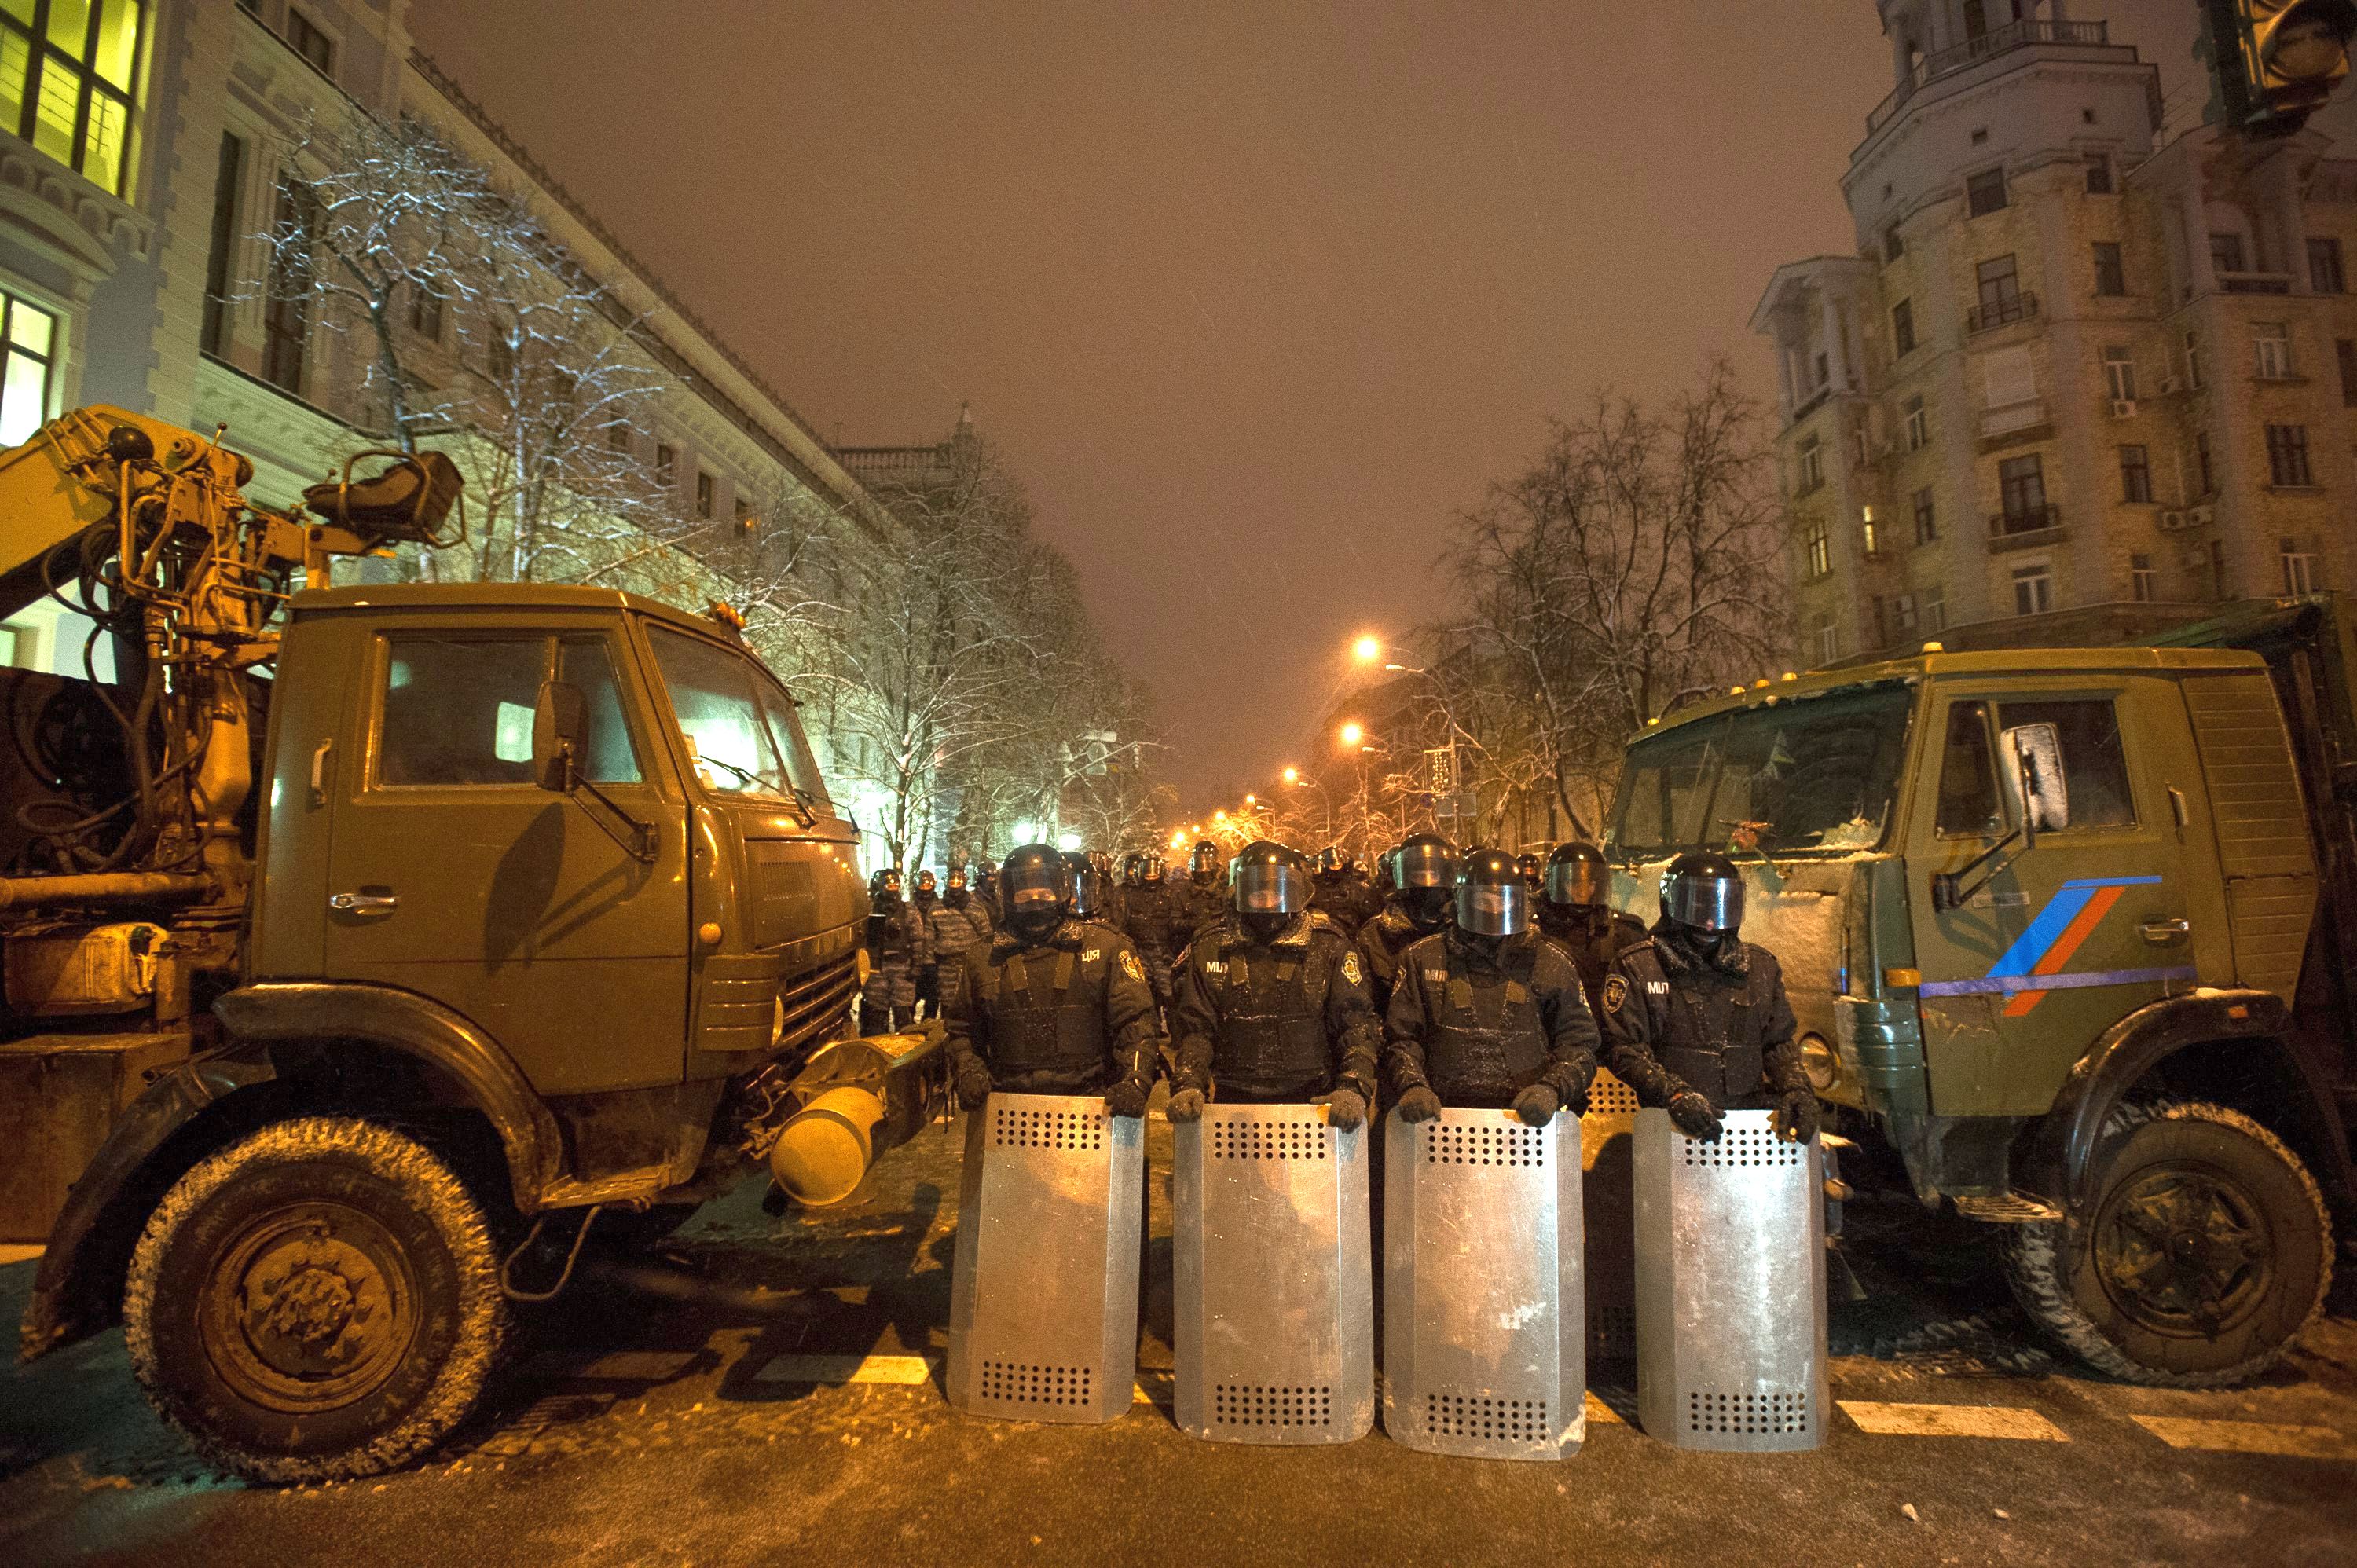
1577 882
1706 903
1031 886
1271 889
1425 865
1489 909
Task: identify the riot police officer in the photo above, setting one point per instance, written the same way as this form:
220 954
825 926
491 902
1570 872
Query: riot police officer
1574 912
1533 875
1487 1013
1345 896
1273 1006
1206 900
1696 1018
985 889
956 921
1053 1004
1424 876
899 946
1147 921
924 900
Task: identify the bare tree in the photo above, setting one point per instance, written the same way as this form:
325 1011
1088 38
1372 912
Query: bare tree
1636 561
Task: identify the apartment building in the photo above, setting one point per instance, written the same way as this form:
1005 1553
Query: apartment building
2066 361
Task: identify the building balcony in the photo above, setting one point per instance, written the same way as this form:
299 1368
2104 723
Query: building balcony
2022 307
2026 528
1997 41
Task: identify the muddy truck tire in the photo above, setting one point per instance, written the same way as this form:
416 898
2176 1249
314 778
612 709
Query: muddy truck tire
2204 1251
317 1301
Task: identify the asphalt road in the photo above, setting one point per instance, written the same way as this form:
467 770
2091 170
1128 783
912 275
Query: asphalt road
667 1413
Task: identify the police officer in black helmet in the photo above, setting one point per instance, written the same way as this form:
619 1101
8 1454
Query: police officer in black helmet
1054 1003
1273 1006
1424 882
1696 1018
1487 1013
1574 912
1204 900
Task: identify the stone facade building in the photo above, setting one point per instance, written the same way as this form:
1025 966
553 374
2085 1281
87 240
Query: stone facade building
2069 361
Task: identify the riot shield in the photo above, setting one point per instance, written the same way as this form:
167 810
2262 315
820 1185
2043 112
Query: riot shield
1731 1287
1484 1348
1043 1303
1272 1295
1608 1206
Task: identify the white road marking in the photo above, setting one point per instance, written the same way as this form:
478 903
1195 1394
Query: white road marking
2249 1436
1951 1420
904 1369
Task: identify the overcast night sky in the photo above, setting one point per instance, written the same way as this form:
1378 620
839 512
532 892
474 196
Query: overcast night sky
1255 296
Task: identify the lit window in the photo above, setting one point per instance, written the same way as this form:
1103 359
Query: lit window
1867 536
744 515
2033 589
30 334
2271 350
66 71
1818 549
2299 569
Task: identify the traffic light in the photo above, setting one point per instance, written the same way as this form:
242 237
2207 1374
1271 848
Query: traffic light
2277 60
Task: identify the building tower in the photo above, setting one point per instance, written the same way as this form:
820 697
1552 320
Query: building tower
2068 364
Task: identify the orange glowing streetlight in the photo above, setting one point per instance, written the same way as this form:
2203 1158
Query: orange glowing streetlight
1219 816
1367 650
1353 734
1252 800
1293 775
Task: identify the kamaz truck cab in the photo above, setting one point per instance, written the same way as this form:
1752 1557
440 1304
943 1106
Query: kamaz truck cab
357 936
2058 926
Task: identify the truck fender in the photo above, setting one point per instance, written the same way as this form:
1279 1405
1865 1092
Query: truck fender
280 1012
2062 1149
71 1295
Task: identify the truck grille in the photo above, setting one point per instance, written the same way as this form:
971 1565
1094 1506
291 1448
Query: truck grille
815 1002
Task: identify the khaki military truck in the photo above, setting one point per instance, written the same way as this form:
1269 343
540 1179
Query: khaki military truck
2072 930
366 945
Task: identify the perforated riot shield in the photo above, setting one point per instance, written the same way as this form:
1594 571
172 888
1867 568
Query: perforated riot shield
1609 1205
1274 1285
1731 1287
1483 1337
1043 1303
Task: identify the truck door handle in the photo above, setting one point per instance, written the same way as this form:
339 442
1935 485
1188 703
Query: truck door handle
320 773
2165 931
364 903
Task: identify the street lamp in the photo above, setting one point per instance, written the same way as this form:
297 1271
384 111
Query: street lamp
1353 734
1293 775
1367 650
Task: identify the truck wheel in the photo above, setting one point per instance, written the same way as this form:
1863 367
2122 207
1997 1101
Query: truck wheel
2202 1254
318 1301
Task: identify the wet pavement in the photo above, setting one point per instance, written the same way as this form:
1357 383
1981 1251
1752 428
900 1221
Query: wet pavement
763 1391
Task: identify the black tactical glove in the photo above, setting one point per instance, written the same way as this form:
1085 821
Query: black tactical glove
973 1086
1186 1105
1345 1109
1127 1097
1537 1104
1694 1115
1795 1119
1418 1104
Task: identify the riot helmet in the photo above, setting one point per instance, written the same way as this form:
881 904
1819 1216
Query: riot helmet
926 884
987 867
1492 897
1132 869
1577 876
1086 900
1528 866
1205 865
1267 879
1033 885
1423 869
885 883
1155 870
1704 891
955 885
1333 860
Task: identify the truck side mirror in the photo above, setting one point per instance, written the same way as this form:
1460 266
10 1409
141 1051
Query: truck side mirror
560 735
2033 769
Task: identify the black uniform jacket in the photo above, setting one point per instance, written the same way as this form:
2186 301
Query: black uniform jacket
1068 1015
1476 1023
1276 1021
1712 1016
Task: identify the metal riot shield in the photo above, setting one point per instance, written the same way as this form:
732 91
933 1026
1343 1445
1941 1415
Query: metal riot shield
1609 1205
1273 1283
1484 1340
1043 1303
1731 1287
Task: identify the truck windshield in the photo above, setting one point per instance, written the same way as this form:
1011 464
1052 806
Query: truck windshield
1815 776
740 726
